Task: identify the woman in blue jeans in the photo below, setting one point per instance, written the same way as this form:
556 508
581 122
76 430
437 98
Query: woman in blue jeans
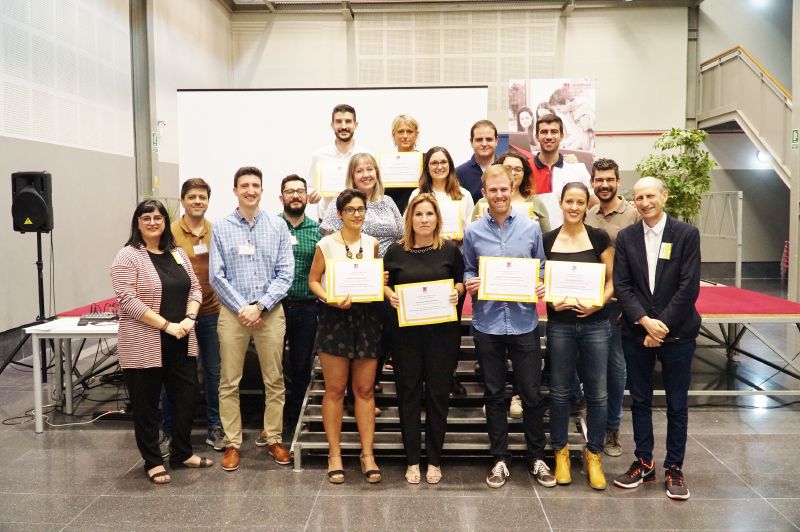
578 336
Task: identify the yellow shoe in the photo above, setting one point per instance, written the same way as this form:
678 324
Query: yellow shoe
562 466
594 467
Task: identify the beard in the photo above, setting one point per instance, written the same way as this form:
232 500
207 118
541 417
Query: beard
294 211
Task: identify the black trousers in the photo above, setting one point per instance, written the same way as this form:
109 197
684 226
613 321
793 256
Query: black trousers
429 354
178 375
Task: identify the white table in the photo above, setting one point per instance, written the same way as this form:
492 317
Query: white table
66 329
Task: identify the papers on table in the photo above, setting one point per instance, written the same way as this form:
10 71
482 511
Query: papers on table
508 279
361 279
425 303
400 169
580 280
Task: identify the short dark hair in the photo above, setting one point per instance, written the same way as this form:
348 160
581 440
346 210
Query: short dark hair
343 108
527 171
482 123
605 164
195 182
347 195
549 119
292 177
167 241
574 184
247 170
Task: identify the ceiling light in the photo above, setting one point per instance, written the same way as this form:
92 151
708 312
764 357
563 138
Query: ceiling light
762 156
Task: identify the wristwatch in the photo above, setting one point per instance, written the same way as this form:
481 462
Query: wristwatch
192 316
260 306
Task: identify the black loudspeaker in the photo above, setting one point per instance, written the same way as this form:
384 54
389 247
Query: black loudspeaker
32 202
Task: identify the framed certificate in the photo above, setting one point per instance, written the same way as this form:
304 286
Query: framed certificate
361 279
508 279
582 280
425 303
452 221
330 177
400 169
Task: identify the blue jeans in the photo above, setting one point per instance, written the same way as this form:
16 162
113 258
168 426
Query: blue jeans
526 357
581 346
208 343
616 370
676 373
301 328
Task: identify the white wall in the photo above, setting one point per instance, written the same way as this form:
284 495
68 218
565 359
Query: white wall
763 27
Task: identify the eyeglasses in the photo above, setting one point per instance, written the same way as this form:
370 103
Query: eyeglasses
291 192
151 219
352 210
515 169
438 163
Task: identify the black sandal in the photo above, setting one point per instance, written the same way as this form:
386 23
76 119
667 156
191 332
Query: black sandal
373 476
157 475
204 462
335 476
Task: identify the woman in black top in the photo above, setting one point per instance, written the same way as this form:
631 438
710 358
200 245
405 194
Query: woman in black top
425 353
578 336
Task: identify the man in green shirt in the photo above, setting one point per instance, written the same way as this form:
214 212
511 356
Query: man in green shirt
300 305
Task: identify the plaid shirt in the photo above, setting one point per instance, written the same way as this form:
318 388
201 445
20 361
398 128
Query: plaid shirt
306 235
264 276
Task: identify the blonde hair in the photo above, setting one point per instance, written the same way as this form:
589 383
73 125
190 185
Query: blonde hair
408 239
496 170
399 120
355 160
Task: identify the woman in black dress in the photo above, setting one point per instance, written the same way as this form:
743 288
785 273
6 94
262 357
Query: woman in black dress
425 353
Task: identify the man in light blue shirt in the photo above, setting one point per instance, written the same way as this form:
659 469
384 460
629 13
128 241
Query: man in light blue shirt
503 329
251 269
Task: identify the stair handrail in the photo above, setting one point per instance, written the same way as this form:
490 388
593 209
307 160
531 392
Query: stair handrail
739 51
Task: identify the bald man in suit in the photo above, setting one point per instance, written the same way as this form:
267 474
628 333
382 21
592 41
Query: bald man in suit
657 281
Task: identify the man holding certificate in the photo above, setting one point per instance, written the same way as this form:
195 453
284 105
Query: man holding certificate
503 325
657 281
425 282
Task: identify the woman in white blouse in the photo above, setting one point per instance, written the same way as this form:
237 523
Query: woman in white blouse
439 178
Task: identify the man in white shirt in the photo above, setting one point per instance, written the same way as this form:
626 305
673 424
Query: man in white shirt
335 157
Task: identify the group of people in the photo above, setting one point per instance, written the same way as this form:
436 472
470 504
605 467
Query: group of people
261 276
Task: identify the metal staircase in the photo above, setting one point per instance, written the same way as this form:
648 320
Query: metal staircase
734 87
466 423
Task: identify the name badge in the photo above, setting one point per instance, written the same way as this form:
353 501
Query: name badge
177 257
247 249
293 240
200 249
665 251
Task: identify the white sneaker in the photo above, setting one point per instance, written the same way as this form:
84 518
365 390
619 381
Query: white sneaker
515 412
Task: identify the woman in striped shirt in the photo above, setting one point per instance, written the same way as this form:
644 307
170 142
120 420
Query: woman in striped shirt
158 295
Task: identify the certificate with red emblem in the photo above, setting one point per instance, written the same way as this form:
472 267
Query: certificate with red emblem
584 281
508 279
425 303
362 280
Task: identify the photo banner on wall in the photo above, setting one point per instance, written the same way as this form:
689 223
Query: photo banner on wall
572 100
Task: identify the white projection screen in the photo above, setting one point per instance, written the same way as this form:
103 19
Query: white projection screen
277 130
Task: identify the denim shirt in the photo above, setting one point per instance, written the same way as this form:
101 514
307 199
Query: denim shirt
520 237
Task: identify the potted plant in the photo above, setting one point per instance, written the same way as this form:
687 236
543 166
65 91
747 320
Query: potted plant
685 168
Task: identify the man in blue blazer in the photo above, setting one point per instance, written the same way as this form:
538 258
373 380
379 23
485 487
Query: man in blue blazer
657 281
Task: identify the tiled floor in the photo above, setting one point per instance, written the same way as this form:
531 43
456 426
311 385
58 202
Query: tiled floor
740 467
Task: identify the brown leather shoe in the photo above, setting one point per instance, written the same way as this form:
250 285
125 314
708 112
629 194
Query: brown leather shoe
280 454
230 460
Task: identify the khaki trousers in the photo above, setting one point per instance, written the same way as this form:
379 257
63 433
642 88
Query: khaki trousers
233 341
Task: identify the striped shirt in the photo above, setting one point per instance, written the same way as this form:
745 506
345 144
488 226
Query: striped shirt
138 288
304 244
251 263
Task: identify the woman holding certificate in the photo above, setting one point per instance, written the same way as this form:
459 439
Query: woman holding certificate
439 178
523 196
405 130
348 336
578 284
426 276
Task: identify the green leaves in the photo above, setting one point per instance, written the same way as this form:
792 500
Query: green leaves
684 167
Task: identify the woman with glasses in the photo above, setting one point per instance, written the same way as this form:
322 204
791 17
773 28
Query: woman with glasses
439 178
159 296
348 337
523 196
426 354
